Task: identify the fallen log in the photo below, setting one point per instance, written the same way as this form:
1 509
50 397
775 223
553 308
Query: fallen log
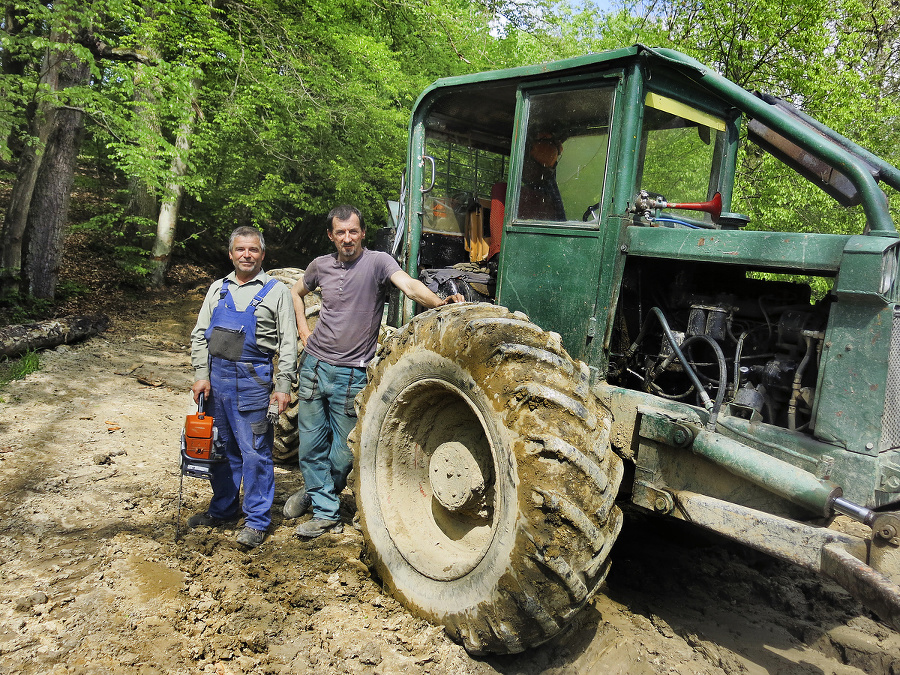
23 337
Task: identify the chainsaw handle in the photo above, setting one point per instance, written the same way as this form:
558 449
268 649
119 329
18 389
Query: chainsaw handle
200 402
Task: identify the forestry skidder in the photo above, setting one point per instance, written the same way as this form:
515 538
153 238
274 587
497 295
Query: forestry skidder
633 345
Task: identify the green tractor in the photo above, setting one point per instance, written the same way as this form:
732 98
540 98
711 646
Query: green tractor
630 340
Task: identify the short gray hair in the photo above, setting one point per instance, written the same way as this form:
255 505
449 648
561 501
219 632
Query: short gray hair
247 231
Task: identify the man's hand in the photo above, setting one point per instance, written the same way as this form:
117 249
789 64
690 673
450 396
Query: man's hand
201 387
283 400
415 289
298 292
303 333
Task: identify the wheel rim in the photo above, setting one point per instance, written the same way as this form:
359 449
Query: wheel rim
435 470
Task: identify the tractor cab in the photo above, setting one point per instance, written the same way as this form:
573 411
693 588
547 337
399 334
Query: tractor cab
521 181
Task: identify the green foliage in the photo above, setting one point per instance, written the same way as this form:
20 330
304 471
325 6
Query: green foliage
308 106
119 236
820 287
17 307
69 289
16 369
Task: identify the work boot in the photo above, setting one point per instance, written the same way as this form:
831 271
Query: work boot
297 504
250 537
207 520
313 528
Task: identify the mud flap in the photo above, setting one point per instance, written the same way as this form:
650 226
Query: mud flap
870 587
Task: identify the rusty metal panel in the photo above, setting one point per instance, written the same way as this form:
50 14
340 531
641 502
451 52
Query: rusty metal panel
818 172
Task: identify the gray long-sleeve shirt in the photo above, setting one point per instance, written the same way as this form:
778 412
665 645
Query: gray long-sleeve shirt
276 326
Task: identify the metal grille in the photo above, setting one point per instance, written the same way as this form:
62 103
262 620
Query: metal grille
460 170
890 421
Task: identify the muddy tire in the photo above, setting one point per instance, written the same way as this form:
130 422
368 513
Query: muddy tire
287 441
484 477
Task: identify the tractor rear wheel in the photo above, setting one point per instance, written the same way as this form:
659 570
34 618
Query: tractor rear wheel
484 477
287 439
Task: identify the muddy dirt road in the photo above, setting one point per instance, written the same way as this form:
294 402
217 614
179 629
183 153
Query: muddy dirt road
94 581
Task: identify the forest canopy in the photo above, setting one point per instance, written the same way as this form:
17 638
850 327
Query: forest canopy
191 117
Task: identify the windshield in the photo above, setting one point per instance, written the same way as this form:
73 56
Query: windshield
681 149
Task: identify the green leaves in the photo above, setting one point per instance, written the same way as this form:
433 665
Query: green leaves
296 105
836 61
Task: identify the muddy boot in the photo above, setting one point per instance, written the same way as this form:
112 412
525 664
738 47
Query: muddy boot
297 504
250 537
317 526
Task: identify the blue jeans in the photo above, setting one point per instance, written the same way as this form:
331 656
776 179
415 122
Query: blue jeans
245 438
325 417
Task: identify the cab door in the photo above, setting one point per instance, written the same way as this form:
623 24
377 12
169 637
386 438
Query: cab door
557 203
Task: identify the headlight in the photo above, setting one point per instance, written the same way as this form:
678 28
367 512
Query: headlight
890 263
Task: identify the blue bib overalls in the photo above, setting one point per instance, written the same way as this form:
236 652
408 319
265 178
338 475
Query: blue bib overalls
240 375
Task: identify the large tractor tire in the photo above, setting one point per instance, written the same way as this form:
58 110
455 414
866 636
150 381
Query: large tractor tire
287 440
484 477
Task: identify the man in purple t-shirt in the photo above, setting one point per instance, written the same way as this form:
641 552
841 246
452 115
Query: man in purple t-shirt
354 284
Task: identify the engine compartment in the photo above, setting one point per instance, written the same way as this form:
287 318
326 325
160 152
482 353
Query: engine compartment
754 345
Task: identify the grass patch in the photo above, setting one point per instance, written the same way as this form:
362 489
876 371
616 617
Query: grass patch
16 369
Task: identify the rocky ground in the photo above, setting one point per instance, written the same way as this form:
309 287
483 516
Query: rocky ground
95 578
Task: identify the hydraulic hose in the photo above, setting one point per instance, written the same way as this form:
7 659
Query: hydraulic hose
795 389
738 352
708 403
723 376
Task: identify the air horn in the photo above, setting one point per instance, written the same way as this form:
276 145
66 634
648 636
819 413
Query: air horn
644 204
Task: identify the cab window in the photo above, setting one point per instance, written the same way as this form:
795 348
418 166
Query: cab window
565 155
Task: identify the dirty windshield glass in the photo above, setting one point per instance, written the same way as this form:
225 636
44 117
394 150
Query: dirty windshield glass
679 154
564 165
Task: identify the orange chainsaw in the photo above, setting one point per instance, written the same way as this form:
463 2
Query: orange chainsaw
198 451
198 444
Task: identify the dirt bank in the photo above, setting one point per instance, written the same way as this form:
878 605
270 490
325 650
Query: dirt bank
94 581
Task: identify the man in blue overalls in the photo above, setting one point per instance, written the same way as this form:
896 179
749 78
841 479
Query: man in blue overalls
245 319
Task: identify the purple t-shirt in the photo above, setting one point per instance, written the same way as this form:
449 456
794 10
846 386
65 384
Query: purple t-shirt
353 297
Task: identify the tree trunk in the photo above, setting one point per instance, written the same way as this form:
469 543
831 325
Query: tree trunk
29 155
141 201
13 232
168 212
49 207
142 198
40 335
165 237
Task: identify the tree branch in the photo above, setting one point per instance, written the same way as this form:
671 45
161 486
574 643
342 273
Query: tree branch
101 50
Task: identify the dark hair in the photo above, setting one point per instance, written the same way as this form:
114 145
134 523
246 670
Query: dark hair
343 212
247 231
